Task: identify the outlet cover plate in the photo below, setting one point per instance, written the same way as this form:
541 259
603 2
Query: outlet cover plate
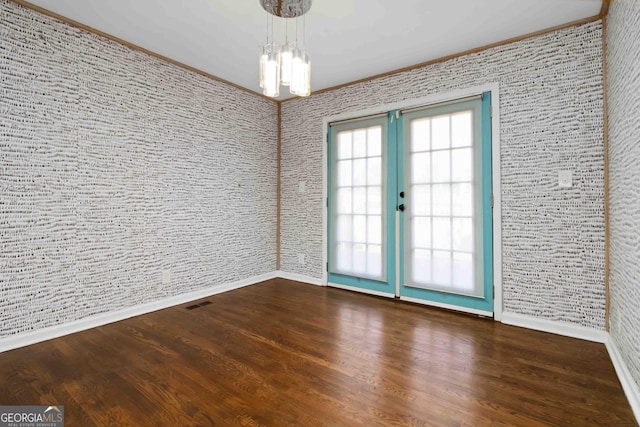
166 277
565 179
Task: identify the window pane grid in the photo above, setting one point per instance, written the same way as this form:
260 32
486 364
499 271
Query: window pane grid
437 267
357 235
349 237
441 183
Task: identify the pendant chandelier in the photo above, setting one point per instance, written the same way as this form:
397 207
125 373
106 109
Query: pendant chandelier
287 64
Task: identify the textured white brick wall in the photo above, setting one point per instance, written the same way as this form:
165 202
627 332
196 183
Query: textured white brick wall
115 165
623 63
551 119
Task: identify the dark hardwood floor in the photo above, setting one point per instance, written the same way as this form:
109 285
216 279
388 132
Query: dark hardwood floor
282 353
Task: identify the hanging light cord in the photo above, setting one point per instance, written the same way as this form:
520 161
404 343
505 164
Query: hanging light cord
286 31
272 42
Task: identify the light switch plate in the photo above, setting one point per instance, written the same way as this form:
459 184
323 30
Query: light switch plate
565 179
302 187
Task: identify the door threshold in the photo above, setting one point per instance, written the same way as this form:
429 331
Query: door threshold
361 290
449 306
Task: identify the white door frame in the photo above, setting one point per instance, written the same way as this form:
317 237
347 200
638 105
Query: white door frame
495 167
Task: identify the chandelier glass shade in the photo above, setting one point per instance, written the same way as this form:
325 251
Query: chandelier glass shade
270 71
287 64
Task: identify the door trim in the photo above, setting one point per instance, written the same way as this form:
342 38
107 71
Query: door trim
496 185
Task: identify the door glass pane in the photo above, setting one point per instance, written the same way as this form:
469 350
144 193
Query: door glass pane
374 260
442 268
344 173
463 271
344 197
420 135
360 172
441 200
421 168
462 234
441 233
359 143
374 201
421 267
462 199
344 146
357 231
343 254
441 173
420 200
374 229
440 133
441 166
360 200
422 232
374 171
462 165
360 229
344 228
461 129
359 259
374 142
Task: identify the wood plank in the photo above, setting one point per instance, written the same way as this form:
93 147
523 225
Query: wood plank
284 353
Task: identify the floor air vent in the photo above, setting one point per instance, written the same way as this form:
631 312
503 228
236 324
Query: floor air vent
194 306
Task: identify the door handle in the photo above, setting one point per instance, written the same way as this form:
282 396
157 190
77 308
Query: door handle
401 207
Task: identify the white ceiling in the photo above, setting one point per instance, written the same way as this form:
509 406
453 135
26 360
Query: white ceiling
346 39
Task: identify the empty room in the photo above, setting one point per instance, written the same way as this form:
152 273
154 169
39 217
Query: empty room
319 213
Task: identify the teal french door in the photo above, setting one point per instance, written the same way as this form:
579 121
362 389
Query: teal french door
362 204
410 204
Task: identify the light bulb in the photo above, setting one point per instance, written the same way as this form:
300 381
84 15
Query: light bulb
301 74
263 64
272 75
286 57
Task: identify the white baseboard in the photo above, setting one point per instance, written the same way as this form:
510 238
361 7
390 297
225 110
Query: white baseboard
554 327
299 278
631 389
28 338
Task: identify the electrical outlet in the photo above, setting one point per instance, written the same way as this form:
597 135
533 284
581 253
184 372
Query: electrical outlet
166 277
300 258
